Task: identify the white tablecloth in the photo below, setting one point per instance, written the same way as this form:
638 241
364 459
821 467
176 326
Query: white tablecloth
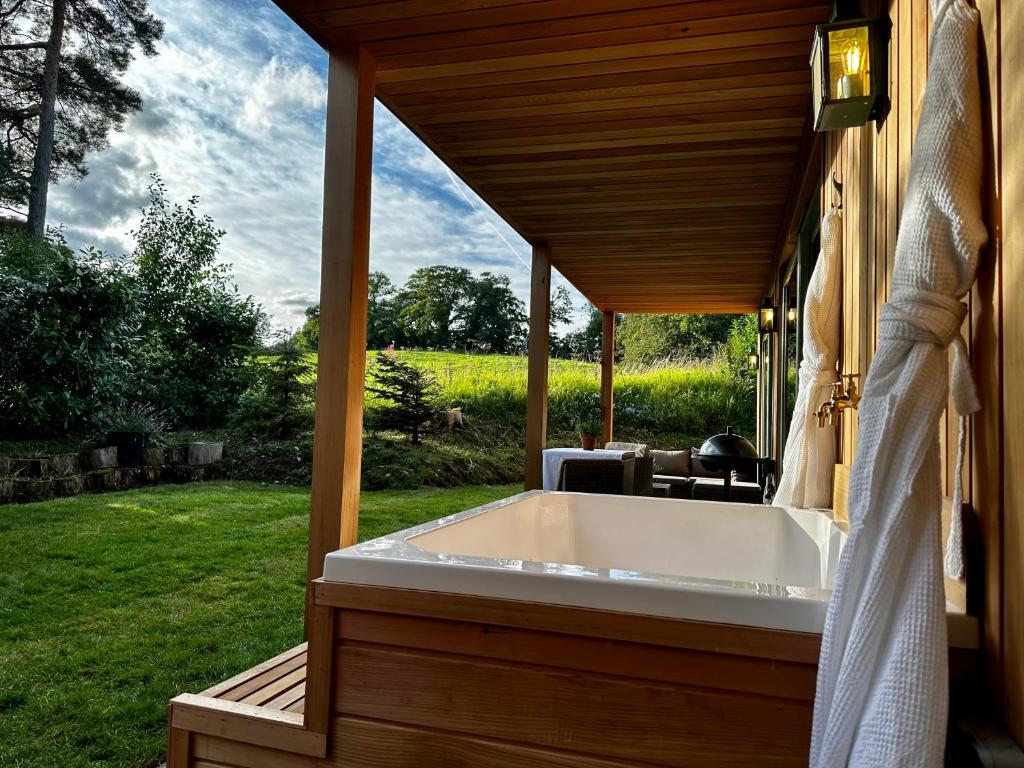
553 461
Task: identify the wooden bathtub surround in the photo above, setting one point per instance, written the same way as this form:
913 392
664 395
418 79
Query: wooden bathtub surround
393 678
422 678
607 376
537 366
341 367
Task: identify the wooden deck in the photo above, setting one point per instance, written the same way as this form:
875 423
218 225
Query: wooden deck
278 683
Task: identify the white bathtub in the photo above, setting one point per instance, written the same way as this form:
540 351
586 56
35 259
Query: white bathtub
706 561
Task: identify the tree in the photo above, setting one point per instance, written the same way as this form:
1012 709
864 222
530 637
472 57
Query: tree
280 402
409 395
743 339
429 305
585 343
198 333
560 312
60 89
308 336
381 324
69 323
649 338
493 318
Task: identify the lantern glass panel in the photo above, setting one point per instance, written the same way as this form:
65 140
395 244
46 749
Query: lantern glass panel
849 62
816 75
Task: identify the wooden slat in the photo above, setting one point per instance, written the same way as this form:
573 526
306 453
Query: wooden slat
473 70
246 723
615 717
360 743
179 747
316 700
770 677
220 751
1010 25
655 39
252 687
675 633
242 677
274 689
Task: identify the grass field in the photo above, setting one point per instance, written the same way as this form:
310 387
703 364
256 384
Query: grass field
112 604
665 403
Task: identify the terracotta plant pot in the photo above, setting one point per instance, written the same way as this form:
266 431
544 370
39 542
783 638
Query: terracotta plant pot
588 442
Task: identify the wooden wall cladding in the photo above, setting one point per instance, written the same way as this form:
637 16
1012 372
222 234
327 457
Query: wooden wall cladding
651 143
410 690
873 163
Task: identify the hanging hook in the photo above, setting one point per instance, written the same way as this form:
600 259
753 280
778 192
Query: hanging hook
838 186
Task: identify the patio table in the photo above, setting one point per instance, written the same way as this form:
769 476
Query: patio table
553 458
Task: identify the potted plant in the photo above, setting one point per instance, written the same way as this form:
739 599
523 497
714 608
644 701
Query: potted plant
130 428
590 430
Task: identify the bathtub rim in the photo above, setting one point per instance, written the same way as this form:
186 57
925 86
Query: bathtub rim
390 561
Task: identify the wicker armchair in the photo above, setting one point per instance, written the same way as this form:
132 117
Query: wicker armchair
596 476
643 466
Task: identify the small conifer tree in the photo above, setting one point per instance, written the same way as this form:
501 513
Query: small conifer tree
410 395
280 403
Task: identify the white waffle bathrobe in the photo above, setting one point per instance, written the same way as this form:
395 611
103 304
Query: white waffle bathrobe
810 454
882 678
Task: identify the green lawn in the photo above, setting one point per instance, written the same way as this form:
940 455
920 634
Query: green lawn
112 604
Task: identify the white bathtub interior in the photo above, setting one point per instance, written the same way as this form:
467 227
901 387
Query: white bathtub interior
710 540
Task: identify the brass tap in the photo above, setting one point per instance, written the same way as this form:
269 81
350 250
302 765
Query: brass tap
824 414
844 395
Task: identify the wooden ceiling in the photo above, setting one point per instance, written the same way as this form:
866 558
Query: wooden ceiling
654 145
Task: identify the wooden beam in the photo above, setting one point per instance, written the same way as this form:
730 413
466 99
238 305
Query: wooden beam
607 374
344 275
537 370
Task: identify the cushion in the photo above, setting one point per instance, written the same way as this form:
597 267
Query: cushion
698 468
709 489
672 462
640 449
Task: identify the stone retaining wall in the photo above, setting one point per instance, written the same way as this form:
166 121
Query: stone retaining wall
44 477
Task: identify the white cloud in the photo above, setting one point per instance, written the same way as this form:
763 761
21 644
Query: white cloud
234 112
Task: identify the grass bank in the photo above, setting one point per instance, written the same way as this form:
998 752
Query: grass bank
112 604
668 405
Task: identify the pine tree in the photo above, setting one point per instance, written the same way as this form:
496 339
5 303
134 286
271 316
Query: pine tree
409 393
60 89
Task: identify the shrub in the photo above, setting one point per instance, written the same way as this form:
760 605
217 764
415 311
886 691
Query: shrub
68 323
199 334
136 418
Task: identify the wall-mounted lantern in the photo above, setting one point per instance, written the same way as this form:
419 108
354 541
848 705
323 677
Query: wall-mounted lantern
753 359
849 61
791 315
766 317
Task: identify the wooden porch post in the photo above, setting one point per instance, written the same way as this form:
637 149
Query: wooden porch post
344 275
537 367
607 374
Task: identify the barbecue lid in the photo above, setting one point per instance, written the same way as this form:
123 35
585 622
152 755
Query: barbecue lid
730 444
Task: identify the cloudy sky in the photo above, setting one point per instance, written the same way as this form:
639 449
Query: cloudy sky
234 113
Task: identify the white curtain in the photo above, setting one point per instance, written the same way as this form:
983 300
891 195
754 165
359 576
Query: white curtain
882 677
810 454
